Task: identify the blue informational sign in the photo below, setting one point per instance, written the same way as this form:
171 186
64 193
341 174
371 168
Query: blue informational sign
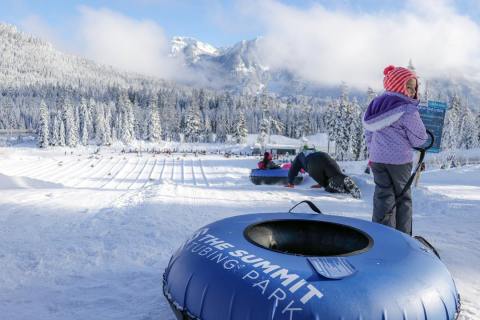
433 115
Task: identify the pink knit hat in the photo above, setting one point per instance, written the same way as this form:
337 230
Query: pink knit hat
396 79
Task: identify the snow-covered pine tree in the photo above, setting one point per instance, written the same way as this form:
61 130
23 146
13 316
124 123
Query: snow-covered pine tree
469 131
169 117
43 133
193 124
8 114
71 130
288 120
207 124
241 131
154 130
302 121
55 132
370 96
126 119
61 134
84 122
100 125
451 127
108 121
342 141
344 127
264 131
331 119
357 138
477 121
92 114
140 116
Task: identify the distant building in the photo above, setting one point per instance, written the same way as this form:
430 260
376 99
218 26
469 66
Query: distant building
280 150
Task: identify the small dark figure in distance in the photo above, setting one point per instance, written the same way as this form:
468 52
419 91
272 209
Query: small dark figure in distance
325 171
267 162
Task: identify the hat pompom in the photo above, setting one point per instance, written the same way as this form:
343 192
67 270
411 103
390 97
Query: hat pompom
388 69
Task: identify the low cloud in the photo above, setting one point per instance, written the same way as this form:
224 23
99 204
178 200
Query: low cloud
329 46
132 45
34 24
322 45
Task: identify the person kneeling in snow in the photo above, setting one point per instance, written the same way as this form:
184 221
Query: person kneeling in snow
325 171
267 162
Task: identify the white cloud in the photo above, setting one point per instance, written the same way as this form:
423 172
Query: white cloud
330 46
34 24
133 45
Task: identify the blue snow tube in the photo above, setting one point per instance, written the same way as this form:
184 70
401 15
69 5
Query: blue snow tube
272 176
305 266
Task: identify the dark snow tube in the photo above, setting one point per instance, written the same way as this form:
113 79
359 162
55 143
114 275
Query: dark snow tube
305 266
272 176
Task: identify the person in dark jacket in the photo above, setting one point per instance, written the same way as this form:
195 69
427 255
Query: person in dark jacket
267 162
325 171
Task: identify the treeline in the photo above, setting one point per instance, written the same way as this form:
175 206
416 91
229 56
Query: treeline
63 116
195 115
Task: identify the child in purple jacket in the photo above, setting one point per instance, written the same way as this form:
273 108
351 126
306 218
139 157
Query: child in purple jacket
392 128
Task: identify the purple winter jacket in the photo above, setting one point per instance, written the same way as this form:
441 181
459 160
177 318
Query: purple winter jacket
392 127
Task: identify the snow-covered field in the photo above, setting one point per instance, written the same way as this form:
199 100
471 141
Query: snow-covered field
87 236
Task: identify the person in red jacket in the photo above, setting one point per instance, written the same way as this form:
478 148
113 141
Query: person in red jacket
267 162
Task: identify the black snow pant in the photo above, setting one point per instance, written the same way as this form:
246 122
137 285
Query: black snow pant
321 167
389 182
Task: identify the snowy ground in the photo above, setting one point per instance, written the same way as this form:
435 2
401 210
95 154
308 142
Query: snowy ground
86 236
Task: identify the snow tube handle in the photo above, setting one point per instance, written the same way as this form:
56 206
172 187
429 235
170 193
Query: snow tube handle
432 140
310 204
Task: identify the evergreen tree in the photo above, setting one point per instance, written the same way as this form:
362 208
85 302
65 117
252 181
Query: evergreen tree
109 128
469 131
61 134
264 131
154 129
71 130
370 96
55 134
100 126
43 129
304 123
193 124
169 117
241 131
331 119
477 121
356 129
451 127
346 128
85 121
126 119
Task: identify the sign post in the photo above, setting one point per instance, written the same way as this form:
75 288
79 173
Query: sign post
433 115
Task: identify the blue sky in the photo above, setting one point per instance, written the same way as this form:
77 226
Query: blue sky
219 22
324 41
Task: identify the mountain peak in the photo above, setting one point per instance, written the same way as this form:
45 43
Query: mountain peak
191 48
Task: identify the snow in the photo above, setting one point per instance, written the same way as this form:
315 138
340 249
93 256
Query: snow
197 48
87 236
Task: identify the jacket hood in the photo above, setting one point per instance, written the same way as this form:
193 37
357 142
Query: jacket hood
385 109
